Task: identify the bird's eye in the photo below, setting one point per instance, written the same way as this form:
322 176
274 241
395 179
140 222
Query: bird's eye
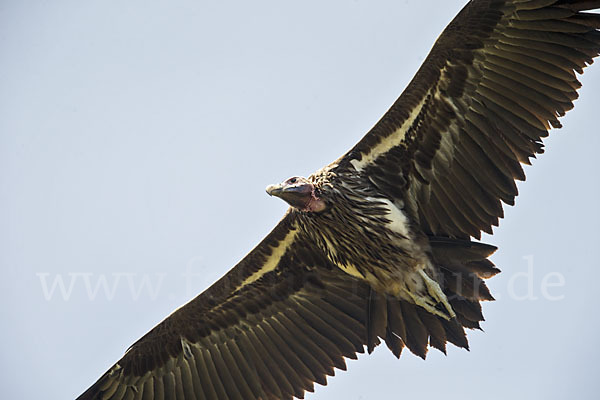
292 180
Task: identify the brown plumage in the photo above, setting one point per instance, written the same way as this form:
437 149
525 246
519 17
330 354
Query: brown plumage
377 245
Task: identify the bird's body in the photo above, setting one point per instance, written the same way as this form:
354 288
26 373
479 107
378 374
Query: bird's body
370 237
381 244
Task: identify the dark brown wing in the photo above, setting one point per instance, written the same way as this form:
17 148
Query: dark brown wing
495 82
279 321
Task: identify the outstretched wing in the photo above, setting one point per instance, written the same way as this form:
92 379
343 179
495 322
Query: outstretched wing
279 321
497 79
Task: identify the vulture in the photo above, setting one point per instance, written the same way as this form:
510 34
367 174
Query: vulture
382 245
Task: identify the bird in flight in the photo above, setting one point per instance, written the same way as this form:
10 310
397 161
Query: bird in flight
382 244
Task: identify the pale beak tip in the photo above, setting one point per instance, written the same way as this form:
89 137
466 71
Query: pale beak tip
271 189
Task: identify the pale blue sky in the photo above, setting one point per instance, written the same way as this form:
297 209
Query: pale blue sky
136 139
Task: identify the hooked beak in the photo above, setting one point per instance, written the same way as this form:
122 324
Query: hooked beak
296 195
275 190
300 195
282 189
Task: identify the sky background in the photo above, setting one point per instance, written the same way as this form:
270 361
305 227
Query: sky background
136 140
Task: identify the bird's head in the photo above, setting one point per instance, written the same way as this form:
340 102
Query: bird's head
299 193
